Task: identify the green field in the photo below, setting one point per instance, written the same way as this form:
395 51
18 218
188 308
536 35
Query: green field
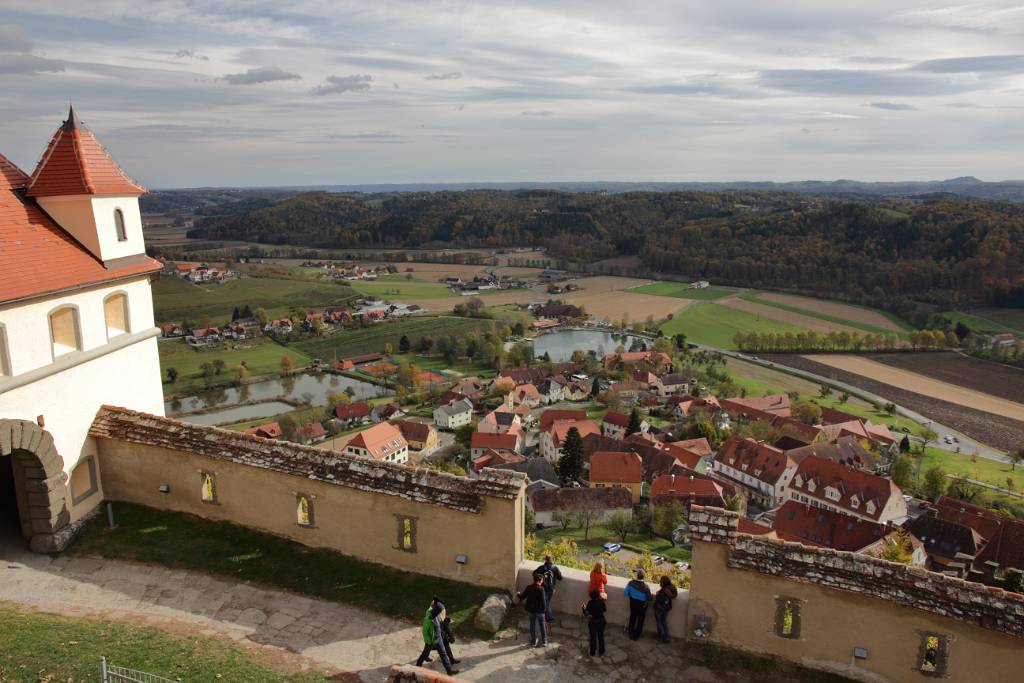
400 288
681 290
175 300
982 469
262 359
754 297
372 339
49 647
990 320
714 325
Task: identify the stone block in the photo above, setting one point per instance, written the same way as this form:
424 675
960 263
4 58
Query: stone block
491 614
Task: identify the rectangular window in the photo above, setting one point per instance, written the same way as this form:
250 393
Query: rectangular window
83 480
787 617
933 655
406 533
5 362
209 491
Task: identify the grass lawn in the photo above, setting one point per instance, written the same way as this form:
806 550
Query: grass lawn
261 359
681 290
181 541
987 320
982 469
49 647
1011 318
714 325
372 339
599 535
754 297
175 300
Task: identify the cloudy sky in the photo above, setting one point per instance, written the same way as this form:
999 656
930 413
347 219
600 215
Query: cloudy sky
261 92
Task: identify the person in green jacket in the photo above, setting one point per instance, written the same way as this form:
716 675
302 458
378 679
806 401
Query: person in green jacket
434 637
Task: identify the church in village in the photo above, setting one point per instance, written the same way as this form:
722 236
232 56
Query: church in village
76 327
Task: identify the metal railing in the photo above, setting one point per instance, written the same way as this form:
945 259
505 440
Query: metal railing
119 674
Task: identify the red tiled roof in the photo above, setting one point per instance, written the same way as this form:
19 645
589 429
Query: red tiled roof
491 457
508 442
314 430
616 419
270 430
380 440
417 431
615 466
75 163
549 416
560 429
347 411
685 487
814 526
37 256
699 446
848 482
610 498
759 460
685 456
777 404
986 522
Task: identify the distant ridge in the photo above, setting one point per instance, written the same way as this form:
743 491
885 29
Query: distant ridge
965 186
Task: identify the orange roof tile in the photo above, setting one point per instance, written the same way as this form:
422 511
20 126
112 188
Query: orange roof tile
37 256
381 440
614 466
75 163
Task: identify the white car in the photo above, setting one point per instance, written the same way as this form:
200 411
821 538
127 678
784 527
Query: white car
658 559
949 438
682 566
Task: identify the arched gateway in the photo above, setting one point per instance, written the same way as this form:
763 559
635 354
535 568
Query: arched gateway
33 472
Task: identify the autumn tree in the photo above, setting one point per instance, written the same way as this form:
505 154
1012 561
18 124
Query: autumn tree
806 412
897 547
1016 457
666 518
287 364
620 524
902 473
935 483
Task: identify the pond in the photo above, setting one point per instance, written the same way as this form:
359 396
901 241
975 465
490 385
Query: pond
255 411
312 387
560 345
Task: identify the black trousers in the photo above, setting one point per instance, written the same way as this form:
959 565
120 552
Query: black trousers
445 653
637 614
596 637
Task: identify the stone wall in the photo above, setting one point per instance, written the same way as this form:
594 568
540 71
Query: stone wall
859 616
469 530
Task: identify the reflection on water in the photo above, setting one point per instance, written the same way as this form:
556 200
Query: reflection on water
239 413
312 388
560 345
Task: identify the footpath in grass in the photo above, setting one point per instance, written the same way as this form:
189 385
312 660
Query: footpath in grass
183 541
715 325
682 290
755 298
48 647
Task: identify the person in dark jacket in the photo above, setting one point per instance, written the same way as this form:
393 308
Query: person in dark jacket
434 638
594 610
662 605
534 600
552 575
639 595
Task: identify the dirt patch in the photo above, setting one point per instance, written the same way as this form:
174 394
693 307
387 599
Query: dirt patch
772 313
984 376
911 381
838 310
995 430
610 305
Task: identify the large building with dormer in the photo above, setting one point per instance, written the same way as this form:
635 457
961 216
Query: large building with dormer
76 325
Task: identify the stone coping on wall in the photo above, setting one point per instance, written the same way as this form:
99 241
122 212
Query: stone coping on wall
419 485
985 606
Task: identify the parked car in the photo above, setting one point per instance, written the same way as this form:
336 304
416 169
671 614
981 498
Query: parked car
948 438
611 547
658 559
682 566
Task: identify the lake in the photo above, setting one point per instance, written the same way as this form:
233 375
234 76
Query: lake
313 388
560 345
255 411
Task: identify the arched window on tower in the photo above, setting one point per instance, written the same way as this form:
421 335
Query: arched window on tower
115 310
122 234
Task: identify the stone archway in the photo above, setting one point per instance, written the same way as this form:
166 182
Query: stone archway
40 484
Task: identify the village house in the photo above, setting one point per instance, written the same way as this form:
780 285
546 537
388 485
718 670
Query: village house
674 383
421 436
482 441
614 424
547 502
453 415
613 469
270 430
1003 536
823 483
550 390
552 439
744 408
383 442
527 394
76 321
494 458
762 471
313 432
501 420
657 362
813 526
203 336
687 490
352 414
386 411
951 548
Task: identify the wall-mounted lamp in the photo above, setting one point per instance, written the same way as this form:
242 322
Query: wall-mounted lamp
461 559
860 653
165 488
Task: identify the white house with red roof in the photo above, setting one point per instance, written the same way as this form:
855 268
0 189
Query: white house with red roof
552 438
383 442
824 483
76 310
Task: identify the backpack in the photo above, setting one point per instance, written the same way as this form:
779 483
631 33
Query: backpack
662 601
428 628
549 578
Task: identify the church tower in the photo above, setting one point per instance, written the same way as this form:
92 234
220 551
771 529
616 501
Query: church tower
82 188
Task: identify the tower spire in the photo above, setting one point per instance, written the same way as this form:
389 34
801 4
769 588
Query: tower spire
72 122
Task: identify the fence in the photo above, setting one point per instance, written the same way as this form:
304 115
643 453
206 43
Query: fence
119 674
